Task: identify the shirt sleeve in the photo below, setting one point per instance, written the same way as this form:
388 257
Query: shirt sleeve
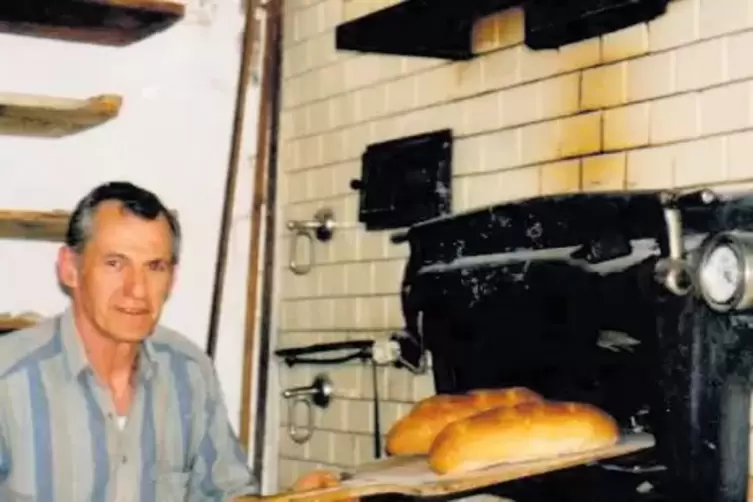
220 471
5 459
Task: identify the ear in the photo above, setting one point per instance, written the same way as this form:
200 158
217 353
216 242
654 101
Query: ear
173 280
67 267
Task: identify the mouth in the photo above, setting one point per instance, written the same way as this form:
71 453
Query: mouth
132 311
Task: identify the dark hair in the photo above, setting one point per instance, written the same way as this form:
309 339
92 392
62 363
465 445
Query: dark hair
136 200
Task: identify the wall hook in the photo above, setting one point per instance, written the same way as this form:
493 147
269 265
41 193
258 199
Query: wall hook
322 227
319 394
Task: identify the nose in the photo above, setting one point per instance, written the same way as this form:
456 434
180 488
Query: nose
135 284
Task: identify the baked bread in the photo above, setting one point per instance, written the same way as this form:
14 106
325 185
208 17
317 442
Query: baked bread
414 433
527 432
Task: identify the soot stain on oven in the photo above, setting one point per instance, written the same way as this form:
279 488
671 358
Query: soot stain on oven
583 162
586 159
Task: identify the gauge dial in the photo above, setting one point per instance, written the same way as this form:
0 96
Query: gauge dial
721 274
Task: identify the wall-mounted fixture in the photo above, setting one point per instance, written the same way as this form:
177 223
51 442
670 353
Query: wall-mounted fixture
444 29
396 350
321 228
319 394
399 350
405 181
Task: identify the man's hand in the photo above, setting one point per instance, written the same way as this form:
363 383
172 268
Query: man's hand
316 480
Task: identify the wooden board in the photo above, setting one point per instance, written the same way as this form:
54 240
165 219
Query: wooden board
108 22
411 476
44 116
34 225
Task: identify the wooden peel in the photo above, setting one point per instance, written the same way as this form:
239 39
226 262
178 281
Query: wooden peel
411 476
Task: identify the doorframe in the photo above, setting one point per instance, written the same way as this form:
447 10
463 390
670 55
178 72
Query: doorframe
259 414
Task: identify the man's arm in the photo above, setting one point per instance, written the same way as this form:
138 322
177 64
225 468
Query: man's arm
220 471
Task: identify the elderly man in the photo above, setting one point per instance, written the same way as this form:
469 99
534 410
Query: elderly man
101 403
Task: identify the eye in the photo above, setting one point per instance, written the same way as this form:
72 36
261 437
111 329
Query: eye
113 263
158 266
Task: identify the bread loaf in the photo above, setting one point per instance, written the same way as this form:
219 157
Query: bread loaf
522 433
414 433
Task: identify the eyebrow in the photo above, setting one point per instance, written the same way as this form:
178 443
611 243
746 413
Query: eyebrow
151 261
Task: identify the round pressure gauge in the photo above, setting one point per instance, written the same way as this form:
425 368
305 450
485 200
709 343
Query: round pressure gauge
721 274
724 272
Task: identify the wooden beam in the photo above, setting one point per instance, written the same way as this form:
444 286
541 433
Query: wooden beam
45 116
106 22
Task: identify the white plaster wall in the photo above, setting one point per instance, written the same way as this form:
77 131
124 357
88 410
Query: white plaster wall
173 137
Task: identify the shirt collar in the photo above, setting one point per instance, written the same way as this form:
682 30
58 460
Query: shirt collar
75 355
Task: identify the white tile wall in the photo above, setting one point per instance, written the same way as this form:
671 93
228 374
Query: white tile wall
667 103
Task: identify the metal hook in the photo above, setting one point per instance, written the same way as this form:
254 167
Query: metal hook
318 393
322 227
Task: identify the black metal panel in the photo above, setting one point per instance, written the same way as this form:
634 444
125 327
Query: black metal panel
553 23
405 181
443 29
558 294
427 28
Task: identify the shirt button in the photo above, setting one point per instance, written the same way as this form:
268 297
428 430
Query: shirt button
124 460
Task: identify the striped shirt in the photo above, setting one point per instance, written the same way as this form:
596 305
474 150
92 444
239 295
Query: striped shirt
59 436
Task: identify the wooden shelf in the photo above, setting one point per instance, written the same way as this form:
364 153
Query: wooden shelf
107 22
34 225
10 323
44 116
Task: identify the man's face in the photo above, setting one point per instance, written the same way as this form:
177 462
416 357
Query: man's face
124 275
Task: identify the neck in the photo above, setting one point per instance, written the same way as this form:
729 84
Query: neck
113 362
